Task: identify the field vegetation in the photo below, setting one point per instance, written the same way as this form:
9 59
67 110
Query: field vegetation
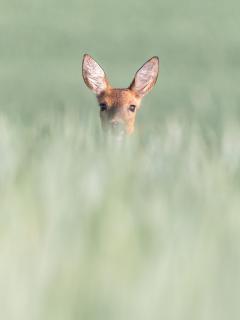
91 230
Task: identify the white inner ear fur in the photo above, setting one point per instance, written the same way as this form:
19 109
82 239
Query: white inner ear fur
94 75
146 77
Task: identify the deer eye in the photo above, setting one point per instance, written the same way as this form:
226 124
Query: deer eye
103 106
132 108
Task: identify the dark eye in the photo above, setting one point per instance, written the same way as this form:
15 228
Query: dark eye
103 106
132 108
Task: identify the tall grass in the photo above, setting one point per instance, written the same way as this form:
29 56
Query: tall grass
94 230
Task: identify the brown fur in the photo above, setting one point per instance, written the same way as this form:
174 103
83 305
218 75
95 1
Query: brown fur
117 102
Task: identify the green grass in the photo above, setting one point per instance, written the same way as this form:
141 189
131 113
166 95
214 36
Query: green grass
150 230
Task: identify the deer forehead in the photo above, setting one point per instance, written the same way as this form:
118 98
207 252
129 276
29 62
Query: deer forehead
118 97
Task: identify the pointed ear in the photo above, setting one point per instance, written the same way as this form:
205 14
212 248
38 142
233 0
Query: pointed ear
93 75
146 77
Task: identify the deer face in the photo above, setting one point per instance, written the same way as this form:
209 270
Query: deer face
118 107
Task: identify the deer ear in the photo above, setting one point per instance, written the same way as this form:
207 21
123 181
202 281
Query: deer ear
146 77
93 75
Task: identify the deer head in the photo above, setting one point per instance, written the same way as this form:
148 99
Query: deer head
118 107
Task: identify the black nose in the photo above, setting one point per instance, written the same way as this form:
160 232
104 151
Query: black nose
115 124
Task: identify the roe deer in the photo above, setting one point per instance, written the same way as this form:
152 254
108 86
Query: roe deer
118 107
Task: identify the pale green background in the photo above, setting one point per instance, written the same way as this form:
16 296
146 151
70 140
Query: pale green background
93 231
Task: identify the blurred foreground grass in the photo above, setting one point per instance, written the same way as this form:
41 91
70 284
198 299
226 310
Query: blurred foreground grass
96 232
150 230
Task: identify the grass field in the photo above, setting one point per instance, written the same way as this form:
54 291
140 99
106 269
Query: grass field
150 230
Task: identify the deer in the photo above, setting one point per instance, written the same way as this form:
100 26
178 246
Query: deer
118 107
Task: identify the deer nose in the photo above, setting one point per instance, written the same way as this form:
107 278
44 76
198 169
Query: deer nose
117 126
